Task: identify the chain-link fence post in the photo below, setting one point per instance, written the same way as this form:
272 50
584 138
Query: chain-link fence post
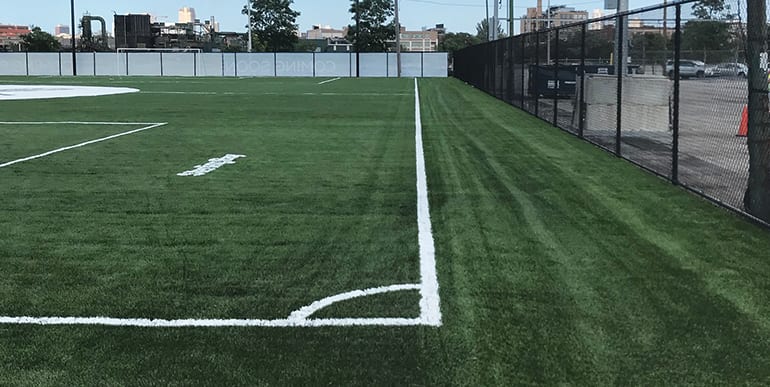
620 69
675 118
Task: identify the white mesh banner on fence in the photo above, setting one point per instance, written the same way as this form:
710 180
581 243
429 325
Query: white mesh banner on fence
413 64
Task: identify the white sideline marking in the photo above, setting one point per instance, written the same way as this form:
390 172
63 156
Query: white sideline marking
211 323
280 94
75 123
430 308
66 148
430 312
329 81
211 166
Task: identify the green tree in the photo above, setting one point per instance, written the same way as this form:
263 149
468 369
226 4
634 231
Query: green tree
39 41
706 35
482 30
274 24
649 47
709 9
375 31
457 41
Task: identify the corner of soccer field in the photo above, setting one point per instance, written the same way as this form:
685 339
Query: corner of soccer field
556 262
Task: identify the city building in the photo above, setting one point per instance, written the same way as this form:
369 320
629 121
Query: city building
61 30
10 37
420 41
555 16
325 32
187 15
561 15
595 14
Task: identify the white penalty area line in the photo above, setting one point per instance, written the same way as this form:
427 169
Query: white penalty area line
430 311
66 148
329 81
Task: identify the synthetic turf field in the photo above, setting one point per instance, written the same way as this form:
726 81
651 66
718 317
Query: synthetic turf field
557 263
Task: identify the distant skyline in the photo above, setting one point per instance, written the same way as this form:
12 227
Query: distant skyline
456 15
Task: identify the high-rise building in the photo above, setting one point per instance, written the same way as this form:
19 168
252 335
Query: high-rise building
61 30
553 17
187 15
595 14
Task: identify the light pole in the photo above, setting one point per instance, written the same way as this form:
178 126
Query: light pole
72 38
487 19
248 6
398 43
495 20
358 41
548 37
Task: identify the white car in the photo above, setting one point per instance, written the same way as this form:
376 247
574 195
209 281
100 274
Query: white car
727 69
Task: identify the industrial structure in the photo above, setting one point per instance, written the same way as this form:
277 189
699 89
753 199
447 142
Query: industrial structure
139 31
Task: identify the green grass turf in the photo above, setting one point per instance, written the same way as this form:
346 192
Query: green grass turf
558 263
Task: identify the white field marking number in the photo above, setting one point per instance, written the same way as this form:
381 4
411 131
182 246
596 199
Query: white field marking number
212 165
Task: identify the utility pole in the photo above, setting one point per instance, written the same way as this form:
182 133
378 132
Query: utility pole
398 42
622 48
665 21
510 18
248 5
72 39
489 30
358 41
495 20
548 36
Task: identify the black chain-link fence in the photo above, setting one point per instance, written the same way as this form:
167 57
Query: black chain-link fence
683 128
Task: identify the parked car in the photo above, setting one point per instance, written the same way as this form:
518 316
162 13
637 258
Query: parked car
687 68
727 69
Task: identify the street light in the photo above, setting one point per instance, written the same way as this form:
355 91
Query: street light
398 42
72 37
488 28
248 6
358 42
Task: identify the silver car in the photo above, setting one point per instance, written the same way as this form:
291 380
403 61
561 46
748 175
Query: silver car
687 68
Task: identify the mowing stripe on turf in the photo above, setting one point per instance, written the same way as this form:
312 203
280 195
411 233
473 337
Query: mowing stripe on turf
430 312
66 148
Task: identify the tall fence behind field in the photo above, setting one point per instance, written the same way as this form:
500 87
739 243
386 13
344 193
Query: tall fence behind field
683 128
413 64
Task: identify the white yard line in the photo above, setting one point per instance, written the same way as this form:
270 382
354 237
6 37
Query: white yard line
329 81
430 311
81 144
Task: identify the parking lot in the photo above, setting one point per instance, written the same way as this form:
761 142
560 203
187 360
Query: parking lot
712 159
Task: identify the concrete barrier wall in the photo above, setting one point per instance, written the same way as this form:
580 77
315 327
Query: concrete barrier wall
381 65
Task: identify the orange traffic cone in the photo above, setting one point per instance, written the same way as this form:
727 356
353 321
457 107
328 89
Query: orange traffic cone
743 130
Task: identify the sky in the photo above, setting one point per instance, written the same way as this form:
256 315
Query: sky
456 15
